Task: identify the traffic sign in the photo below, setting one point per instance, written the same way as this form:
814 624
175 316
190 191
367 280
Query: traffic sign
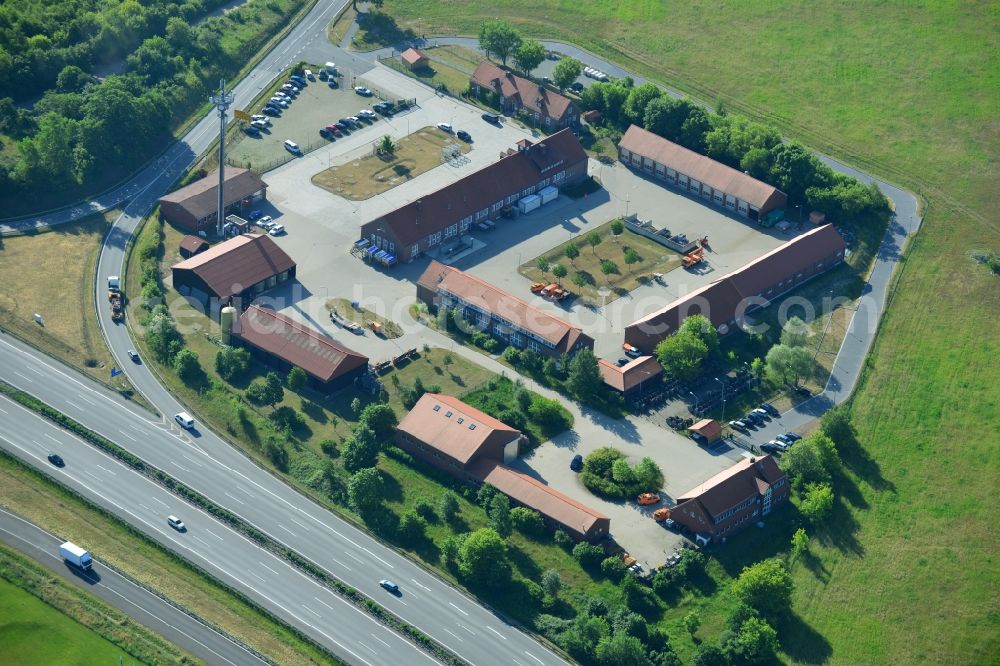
242 115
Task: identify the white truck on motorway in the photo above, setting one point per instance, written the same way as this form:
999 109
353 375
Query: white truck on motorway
114 285
73 554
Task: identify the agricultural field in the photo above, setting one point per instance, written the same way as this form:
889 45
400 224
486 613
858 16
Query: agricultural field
909 92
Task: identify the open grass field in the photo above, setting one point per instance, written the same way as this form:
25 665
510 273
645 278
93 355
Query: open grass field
439 75
596 287
908 91
32 632
364 177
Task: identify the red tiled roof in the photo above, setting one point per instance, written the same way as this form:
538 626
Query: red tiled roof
480 189
703 169
630 375
734 485
192 244
534 97
453 427
412 56
532 493
201 197
297 344
238 263
485 296
707 427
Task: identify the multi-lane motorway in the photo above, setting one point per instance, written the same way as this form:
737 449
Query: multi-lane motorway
134 600
212 467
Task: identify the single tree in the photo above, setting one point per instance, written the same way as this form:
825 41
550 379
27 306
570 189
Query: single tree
232 362
361 449
448 506
529 55
542 264
559 271
356 405
187 366
584 379
297 379
700 326
788 364
499 38
499 513
593 239
800 544
817 503
691 622
482 558
566 71
681 355
638 99
766 586
551 582
580 280
386 146
617 228
621 649
412 528
275 389
631 257
609 268
794 333
572 251
757 368
755 643
381 418
365 489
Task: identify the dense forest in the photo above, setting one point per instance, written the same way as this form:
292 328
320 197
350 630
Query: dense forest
89 89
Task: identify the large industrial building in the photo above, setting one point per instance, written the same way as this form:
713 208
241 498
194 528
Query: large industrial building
473 446
195 207
234 272
726 300
497 313
443 216
699 175
283 343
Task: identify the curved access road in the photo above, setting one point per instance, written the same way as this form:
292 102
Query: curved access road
145 607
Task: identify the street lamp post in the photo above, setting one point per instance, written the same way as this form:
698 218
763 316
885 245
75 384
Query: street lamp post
723 397
691 393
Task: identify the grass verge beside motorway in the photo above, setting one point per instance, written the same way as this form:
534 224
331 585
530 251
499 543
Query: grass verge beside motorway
58 510
48 621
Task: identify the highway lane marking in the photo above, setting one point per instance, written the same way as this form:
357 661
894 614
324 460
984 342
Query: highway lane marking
460 640
127 435
105 469
376 557
215 535
233 497
24 377
466 628
269 568
159 501
3 410
94 476
263 580
187 457
339 563
302 525
53 438
534 657
366 647
420 584
496 632
516 661
323 602
200 540
458 609
179 466
73 404
86 399
312 611
145 507
354 557
381 641
239 487
36 371
288 530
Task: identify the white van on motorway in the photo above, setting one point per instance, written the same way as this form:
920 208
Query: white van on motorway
185 420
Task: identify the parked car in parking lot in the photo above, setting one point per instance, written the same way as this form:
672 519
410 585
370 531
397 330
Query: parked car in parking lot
277 230
444 127
270 111
577 463
779 444
794 436
576 86
491 118
770 409
367 113
755 419
770 448
333 129
252 130
464 136
333 83
738 425
265 222
364 92
763 413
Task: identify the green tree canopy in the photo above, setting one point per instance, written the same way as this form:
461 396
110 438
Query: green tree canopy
622 650
766 586
499 38
529 55
365 490
681 355
817 503
638 99
482 559
232 362
572 251
789 364
584 380
566 71
594 239
297 379
559 271
187 366
794 333
361 449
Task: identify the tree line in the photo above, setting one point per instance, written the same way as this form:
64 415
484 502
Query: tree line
82 124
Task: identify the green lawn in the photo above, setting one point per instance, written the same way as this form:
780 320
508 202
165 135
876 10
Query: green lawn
32 632
908 91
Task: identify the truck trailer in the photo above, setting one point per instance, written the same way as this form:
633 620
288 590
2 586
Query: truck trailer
75 555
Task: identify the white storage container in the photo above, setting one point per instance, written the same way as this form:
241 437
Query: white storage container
548 194
529 203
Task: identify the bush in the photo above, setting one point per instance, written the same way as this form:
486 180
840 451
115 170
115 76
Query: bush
606 473
817 503
613 567
563 540
448 505
232 362
277 454
329 447
287 418
512 355
527 521
412 528
425 510
588 555
188 367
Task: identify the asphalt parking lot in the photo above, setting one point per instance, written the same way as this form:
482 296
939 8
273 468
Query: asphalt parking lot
316 106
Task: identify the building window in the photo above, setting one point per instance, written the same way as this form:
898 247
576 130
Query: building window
482 213
544 183
447 415
498 205
437 408
414 250
559 177
434 239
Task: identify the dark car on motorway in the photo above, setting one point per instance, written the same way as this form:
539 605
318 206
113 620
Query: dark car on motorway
390 586
56 460
577 463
